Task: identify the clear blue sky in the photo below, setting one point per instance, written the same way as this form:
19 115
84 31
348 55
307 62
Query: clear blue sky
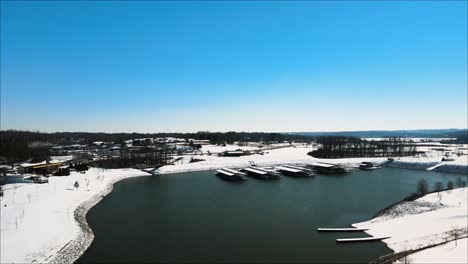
242 66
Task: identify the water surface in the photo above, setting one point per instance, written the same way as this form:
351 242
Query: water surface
198 217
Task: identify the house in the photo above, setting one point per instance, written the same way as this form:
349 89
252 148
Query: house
235 153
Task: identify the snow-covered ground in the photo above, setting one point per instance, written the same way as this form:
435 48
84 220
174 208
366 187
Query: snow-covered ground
37 220
298 154
39 223
426 221
218 149
452 252
294 154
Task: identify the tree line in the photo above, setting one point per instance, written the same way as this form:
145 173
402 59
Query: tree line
422 187
89 137
348 147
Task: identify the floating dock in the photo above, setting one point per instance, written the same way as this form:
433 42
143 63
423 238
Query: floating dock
348 229
292 172
328 168
255 171
295 167
233 171
229 175
435 166
360 239
261 173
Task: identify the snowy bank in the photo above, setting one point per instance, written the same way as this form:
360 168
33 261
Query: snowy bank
287 155
459 165
429 220
298 155
451 252
46 222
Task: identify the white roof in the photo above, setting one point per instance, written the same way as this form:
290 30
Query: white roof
225 172
229 170
261 169
26 164
256 171
294 167
325 165
287 169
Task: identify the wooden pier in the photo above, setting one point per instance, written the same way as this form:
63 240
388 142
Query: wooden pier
347 229
360 239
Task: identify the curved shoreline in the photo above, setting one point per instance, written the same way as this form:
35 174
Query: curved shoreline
416 235
74 249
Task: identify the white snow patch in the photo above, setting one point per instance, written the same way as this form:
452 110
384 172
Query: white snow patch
420 227
37 220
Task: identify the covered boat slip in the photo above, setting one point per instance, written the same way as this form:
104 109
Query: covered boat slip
293 172
328 168
261 173
227 175
296 167
233 171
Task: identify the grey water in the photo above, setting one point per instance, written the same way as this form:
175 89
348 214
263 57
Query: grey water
197 217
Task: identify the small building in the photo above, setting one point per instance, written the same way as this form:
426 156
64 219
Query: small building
235 153
200 142
41 168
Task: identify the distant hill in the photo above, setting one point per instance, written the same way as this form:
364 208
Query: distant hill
420 133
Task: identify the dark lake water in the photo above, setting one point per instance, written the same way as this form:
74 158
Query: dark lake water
197 217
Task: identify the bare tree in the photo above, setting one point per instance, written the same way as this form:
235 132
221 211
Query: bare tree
422 187
459 182
450 185
29 196
438 186
454 233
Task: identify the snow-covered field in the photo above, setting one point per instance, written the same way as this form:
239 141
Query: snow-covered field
270 157
452 252
298 154
37 220
426 221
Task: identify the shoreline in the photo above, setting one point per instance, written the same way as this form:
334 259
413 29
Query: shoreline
424 226
61 226
71 249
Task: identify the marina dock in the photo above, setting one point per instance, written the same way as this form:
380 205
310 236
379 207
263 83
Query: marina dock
348 229
233 171
230 176
292 171
361 239
260 173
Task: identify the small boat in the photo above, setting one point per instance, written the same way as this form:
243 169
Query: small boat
39 179
367 166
